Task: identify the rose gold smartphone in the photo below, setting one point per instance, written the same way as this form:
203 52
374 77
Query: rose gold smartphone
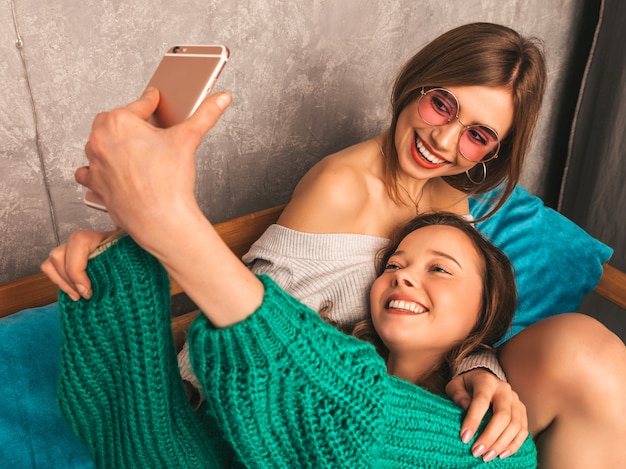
184 77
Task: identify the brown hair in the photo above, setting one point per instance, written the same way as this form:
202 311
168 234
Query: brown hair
477 54
499 298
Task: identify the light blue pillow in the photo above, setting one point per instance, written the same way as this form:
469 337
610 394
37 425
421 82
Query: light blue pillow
556 262
33 433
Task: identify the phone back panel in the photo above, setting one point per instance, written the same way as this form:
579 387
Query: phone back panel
184 77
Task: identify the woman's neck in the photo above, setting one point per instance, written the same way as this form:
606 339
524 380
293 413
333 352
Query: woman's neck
417 191
413 368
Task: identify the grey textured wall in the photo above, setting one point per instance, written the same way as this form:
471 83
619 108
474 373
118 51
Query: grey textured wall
308 78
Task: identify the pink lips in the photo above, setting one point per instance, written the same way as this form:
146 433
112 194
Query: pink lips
419 159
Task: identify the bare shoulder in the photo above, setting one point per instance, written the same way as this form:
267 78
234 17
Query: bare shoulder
329 196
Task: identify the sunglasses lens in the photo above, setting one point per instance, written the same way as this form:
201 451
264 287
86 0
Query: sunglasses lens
438 107
479 143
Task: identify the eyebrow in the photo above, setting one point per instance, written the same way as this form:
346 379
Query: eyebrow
436 253
447 256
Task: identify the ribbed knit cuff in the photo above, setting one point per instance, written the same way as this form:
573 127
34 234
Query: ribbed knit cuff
484 359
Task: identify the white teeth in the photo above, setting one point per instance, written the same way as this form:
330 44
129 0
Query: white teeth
407 306
428 156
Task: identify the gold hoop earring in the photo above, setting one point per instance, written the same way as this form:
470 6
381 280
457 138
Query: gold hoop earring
484 175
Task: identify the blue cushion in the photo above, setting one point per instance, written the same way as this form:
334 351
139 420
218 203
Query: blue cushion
33 433
556 262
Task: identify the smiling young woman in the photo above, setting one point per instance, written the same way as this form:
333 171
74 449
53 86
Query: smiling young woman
442 293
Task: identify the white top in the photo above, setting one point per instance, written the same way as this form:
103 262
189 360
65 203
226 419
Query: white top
320 269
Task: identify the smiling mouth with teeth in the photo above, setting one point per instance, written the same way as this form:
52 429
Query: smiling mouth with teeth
414 308
425 154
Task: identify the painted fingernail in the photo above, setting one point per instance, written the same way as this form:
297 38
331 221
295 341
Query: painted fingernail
466 436
84 292
223 100
74 296
479 450
505 454
489 456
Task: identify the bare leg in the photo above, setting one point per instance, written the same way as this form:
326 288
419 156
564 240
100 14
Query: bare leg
570 371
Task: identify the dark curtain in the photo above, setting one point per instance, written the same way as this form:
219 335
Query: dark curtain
593 192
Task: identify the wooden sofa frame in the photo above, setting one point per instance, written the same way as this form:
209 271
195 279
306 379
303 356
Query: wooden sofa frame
238 233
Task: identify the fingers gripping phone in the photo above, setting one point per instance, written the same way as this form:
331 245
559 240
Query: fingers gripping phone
184 77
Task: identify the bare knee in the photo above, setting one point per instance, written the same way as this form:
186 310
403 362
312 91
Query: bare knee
565 364
563 344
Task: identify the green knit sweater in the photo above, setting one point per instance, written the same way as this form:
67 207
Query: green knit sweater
282 388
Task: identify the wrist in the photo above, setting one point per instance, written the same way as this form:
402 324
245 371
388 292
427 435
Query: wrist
161 228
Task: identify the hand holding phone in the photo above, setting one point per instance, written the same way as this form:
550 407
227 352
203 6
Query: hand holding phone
184 77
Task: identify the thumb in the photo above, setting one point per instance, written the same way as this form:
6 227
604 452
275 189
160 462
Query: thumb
457 392
145 106
208 113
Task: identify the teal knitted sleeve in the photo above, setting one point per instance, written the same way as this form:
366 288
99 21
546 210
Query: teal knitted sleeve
290 391
119 386
276 413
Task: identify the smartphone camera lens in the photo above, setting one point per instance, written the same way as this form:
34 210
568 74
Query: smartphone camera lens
175 49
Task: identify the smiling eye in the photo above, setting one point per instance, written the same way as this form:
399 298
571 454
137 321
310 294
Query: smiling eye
476 136
440 269
392 266
442 106
481 135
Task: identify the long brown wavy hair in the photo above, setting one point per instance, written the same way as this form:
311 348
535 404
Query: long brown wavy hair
499 299
477 54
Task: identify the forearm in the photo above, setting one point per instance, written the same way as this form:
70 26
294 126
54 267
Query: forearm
197 258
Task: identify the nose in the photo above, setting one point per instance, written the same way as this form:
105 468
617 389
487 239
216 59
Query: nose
446 136
403 278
